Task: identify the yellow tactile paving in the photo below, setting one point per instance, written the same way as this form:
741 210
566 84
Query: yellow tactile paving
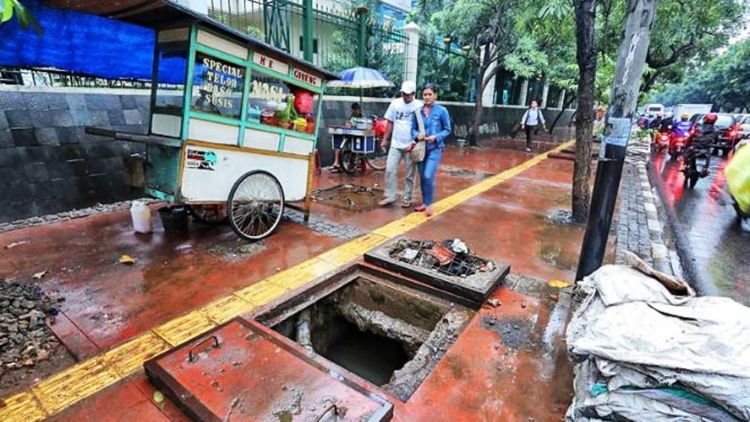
338 256
364 243
261 292
182 329
394 228
86 378
71 385
129 357
301 274
21 408
226 308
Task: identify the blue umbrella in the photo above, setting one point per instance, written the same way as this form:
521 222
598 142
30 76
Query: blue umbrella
361 77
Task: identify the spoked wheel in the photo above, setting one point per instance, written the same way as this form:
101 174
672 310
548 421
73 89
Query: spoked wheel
377 159
210 214
255 205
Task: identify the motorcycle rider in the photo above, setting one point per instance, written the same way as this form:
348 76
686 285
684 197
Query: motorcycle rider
683 127
705 137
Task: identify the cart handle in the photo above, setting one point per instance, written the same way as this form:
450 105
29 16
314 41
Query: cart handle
135 137
193 358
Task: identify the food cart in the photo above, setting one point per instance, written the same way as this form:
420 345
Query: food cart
241 127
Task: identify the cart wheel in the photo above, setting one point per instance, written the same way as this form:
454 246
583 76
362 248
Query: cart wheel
255 205
377 159
348 158
210 214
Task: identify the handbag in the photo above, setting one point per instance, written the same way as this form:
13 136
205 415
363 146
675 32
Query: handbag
419 150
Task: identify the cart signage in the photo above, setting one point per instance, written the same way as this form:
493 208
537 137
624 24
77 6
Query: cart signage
201 160
306 78
220 86
270 64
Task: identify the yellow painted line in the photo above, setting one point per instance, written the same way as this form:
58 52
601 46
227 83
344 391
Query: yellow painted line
85 379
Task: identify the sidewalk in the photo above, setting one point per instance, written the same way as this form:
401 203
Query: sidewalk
117 316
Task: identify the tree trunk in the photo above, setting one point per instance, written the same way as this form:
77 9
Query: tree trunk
565 106
585 12
476 117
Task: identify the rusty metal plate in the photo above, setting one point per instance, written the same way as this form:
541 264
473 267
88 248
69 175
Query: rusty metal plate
476 288
241 371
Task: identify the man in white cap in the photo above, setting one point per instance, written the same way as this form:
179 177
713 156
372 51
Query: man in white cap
398 134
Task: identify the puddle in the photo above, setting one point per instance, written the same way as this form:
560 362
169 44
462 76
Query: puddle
391 336
349 197
515 333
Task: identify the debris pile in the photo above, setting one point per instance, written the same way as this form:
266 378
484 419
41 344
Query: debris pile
646 348
451 257
25 339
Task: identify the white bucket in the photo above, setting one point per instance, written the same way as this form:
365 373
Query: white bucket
141 215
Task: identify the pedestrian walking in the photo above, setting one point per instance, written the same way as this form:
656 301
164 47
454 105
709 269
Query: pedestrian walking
530 122
398 134
431 125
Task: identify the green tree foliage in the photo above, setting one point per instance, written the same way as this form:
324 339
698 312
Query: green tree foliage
10 8
723 81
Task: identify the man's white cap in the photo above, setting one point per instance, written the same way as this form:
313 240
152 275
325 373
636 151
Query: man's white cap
408 87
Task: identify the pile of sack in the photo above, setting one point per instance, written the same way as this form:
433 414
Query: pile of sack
647 349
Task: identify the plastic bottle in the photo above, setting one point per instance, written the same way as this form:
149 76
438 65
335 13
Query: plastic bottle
141 215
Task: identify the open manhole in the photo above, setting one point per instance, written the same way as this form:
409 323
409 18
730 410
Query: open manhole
448 265
349 197
372 325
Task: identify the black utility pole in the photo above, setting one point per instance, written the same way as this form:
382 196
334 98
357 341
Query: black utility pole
631 60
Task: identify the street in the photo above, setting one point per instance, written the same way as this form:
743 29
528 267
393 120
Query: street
712 246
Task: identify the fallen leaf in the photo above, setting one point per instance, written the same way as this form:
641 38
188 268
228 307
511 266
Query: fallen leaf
127 259
559 284
158 397
39 275
14 244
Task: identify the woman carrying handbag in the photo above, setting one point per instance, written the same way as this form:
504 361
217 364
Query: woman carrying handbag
430 127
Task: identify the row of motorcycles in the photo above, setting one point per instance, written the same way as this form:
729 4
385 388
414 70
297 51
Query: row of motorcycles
692 141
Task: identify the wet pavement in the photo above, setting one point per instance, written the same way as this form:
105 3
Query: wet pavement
715 251
509 364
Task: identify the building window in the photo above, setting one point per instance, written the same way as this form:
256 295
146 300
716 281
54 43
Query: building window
302 44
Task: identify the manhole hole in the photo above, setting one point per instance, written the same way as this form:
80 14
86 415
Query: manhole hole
384 332
349 197
449 265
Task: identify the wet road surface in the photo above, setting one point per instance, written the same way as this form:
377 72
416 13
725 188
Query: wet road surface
715 251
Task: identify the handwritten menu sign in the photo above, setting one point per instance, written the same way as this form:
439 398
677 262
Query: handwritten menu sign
306 77
220 88
270 63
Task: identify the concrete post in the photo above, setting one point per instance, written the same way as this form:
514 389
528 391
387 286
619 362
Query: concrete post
488 96
545 93
561 102
524 92
412 51
307 30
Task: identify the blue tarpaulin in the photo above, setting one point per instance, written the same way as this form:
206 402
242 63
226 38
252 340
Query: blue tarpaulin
84 43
